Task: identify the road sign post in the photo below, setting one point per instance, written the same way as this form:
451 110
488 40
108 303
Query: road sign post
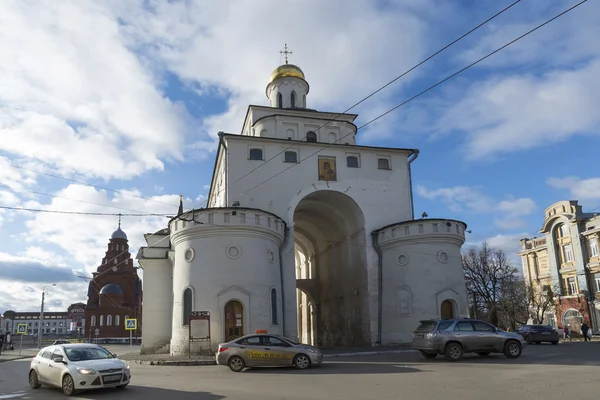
131 325
21 330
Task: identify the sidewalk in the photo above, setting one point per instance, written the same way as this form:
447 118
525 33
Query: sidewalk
10 355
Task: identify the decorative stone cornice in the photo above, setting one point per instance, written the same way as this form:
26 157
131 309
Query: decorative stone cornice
226 222
422 231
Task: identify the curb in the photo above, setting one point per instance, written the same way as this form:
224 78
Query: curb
368 353
191 363
16 358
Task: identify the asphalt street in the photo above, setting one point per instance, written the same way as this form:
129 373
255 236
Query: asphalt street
568 370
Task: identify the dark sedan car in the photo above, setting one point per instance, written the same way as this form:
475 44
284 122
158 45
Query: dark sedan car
538 334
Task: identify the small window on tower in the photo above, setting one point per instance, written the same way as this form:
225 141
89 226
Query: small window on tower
383 163
256 154
352 161
291 157
311 136
279 100
293 99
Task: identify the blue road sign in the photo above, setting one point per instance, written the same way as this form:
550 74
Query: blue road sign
131 324
22 329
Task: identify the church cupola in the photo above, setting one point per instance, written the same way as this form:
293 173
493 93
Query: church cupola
287 87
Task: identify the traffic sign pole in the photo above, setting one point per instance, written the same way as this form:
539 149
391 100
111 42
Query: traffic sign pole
21 347
130 338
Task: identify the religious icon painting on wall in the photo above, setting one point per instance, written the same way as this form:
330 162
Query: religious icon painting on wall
327 171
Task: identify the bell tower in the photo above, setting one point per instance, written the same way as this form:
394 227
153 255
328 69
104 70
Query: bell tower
287 87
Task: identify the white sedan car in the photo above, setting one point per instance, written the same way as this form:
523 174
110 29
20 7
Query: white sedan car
75 367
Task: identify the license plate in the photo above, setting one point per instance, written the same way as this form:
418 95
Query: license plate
111 378
545 333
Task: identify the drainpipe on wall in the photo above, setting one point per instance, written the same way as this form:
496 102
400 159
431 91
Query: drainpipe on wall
225 169
379 285
415 153
286 235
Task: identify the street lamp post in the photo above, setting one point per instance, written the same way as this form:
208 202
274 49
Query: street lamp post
42 316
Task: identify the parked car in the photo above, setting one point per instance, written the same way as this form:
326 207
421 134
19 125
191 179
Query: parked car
264 350
538 334
75 367
454 337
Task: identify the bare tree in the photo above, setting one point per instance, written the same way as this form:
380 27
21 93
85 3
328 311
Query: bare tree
540 300
488 274
513 305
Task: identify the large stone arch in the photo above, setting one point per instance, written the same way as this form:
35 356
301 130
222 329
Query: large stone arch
329 232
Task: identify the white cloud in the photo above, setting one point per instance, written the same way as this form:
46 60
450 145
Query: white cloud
472 199
69 82
233 46
503 115
509 244
577 188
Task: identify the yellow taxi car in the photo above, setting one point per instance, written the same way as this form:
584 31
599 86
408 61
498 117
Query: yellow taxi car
266 350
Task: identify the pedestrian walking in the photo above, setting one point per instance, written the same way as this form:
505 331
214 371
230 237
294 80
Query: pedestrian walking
1 343
566 333
584 330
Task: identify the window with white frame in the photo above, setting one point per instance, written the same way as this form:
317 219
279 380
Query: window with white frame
92 321
568 253
564 230
352 160
109 320
594 247
256 154
290 156
572 286
102 320
596 278
383 163
117 320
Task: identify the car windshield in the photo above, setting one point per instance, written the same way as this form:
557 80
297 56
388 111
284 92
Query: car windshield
427 326
87 353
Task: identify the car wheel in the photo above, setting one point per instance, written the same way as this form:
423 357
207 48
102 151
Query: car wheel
301 361
428 355
236 364
68 386
454 352
122 386
33 380
484 353
555 342
512 349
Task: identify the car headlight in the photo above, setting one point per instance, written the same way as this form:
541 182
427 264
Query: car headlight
126 366
86 371
312 350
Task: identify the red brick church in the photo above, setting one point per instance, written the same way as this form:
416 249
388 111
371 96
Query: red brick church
114 293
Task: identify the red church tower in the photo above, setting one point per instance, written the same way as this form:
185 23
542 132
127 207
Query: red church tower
114 293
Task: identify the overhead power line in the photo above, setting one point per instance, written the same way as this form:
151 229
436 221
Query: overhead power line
422 92
383 87
84 213
90 184
69 198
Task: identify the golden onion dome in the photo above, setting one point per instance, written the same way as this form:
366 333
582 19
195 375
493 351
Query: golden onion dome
286 70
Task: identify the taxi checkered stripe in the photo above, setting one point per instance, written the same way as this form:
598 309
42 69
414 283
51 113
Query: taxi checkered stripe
260 356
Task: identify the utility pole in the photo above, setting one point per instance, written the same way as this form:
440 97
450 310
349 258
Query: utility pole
39 346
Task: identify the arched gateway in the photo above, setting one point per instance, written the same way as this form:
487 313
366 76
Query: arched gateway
331 270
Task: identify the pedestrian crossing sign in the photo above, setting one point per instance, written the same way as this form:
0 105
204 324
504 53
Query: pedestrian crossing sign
22 329
131 324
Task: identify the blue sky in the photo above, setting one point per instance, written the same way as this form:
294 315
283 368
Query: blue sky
130 96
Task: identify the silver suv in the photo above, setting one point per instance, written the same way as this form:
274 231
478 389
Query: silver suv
454 337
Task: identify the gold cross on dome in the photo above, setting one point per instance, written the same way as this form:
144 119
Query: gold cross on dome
285 52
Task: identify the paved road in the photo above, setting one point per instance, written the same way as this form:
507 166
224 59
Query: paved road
569 370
